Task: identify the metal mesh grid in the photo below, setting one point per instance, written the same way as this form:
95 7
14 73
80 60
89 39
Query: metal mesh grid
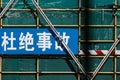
112 73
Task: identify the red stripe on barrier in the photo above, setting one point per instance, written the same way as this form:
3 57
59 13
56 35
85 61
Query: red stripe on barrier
113 52
99 52
86 52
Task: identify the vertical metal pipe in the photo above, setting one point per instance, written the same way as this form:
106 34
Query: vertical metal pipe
115 35
79 31
37 74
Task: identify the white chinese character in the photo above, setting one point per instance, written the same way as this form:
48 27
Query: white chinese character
26 41
44 41
7 40
65 39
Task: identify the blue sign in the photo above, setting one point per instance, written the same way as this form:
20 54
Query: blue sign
37 41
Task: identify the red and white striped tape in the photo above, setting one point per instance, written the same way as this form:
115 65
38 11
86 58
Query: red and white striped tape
98 52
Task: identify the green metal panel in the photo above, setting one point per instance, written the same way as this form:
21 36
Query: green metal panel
91 63
118 77
96 17
96 3
118 18
19 4
97 33
118 65
61 17
100 77
96 46
19 18
58 77
19 64
57 65
104 77
18 77
59 3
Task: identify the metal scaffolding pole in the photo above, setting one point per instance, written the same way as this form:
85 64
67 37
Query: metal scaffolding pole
6 8
105 58
60 39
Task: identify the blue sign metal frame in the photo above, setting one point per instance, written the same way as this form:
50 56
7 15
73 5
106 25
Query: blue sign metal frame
37 41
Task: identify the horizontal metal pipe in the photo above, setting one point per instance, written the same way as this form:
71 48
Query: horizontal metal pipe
100 41
52 72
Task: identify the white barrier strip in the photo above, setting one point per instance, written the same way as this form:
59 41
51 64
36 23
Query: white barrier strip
92 52
98 52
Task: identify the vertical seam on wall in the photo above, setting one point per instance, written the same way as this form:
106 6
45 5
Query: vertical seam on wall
115 35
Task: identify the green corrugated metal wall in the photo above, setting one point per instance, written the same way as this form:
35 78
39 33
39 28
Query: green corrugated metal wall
98 28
